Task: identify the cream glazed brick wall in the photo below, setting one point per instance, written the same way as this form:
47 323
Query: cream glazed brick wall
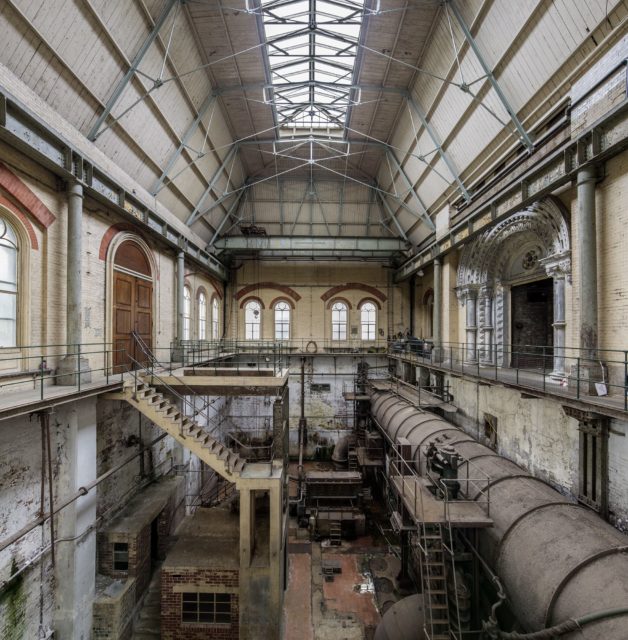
311 319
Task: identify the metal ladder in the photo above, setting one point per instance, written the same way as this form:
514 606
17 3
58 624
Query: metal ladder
437 625
335 533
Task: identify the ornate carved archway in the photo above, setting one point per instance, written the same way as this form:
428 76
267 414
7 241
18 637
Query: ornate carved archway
529 245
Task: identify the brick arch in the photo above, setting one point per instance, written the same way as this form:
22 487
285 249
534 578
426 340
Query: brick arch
331 303
289 302
365 300
111 233
268 285
218 286
354 285
251 299
25 198
28 227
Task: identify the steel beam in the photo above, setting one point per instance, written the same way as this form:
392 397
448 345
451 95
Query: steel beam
184 141
308 243
525 138
439 147
139 56
402 173
196 214
230 211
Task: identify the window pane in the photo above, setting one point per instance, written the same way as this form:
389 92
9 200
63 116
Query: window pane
8 268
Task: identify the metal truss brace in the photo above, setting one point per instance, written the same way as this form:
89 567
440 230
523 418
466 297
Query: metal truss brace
391 215
184 140
121 86
437 143
232 208
424 215
196 214
525 138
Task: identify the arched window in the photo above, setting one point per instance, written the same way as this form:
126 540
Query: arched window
339 321
8 285
187 311
202 316
282 321
368 319
252 320
215 320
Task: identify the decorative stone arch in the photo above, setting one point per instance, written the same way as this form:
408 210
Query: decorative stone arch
529 245
359 286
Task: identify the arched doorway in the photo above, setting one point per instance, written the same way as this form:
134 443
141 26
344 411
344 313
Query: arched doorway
132 305
511 279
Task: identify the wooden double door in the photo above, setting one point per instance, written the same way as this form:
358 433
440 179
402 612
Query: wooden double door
132 312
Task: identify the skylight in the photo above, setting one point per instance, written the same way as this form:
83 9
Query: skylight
311 47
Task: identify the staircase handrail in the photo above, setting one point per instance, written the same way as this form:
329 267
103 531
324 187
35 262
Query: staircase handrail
176 394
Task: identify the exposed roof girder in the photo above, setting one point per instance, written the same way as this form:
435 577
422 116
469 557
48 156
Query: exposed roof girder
439 147
139 56
308 243
525 138
184 140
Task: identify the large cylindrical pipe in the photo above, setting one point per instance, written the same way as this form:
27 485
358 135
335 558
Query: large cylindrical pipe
557 559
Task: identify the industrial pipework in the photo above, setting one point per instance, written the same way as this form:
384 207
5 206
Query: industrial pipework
557 560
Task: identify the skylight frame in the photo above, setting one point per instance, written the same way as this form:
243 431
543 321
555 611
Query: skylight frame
312 54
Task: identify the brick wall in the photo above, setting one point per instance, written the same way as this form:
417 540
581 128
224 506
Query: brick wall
175 581
113 617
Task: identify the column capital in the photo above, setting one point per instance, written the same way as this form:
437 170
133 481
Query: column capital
558 265
467 292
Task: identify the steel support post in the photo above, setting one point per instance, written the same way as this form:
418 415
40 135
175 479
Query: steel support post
438 300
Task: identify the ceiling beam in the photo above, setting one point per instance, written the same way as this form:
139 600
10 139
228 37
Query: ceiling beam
228 214
391 215
139 56
525 138
439 147
307 244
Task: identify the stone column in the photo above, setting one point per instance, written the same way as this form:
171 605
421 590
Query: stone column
180 297
485 304
558 268
467 296
74 363
438 302
587 256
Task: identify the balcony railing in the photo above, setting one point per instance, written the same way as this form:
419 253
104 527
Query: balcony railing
568 371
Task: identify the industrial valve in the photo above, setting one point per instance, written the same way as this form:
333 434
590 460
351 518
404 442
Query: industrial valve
443 460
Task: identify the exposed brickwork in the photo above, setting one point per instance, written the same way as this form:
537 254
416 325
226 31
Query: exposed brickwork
330 293
244 302
281 299
113 617
365 300
267 285
333 301
171 626
111 233
25 197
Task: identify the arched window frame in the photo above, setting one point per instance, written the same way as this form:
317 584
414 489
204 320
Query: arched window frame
215 318
201 309
10 285
339 320
368 320
187 312
252 320
283 317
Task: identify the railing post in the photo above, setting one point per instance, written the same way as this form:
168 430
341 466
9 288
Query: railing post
543 368
625 380
78 365
578 377
42 364
104 361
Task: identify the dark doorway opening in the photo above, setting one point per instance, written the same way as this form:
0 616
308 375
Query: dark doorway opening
532 333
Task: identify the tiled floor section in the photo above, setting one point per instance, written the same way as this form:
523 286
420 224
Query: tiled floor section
343 594
298 601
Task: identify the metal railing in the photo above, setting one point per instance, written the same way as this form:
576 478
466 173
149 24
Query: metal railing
566 371
36 367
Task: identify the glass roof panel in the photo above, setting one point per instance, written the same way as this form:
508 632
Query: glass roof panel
311 48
